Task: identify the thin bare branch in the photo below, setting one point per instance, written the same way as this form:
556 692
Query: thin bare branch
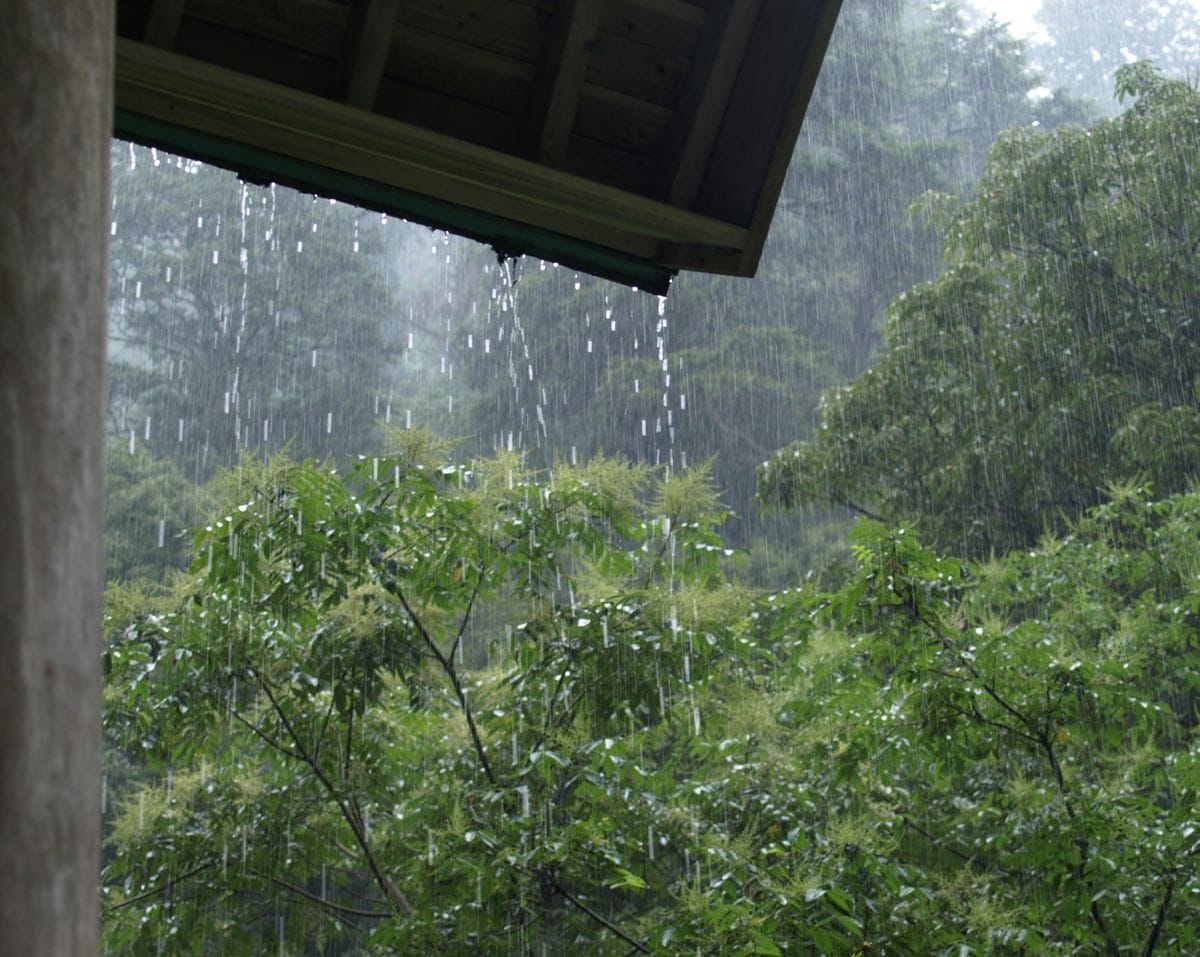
324 901
1159 919
600 918
447 666
357 827
162 888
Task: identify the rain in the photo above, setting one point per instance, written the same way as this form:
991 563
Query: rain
462 603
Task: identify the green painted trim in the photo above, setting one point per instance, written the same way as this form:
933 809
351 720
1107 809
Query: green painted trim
506 236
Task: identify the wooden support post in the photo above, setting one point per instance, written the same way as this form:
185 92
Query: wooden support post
365 51
559 79
56 97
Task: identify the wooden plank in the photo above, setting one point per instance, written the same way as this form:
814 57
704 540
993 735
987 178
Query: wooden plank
511 28
216 102
709 259
561 72
604 163
620 120
162 23
680 9
655 75
416 57
310 26
459 70
662 24
257 56
462 119
367 41
693 130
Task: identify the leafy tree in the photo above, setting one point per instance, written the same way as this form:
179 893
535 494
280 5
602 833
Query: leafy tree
1057 352
1004 752
331 762
930 756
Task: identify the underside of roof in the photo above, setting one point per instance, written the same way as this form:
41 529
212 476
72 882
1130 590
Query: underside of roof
627 138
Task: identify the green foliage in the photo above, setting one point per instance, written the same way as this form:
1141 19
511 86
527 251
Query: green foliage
327 765
997 759
927 756
1056 354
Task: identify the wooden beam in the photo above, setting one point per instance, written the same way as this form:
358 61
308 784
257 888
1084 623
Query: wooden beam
365 49
162 23
693 129
181 92
559 80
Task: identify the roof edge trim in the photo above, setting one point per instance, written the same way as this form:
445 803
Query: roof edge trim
507 237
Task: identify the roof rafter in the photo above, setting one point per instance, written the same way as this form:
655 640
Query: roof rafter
365 49
693 130
559 80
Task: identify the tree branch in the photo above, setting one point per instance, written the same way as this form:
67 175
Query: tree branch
165 887
1160 918
462 628
451 672
277 745
858 509
599 918
390 890
963 856
324 902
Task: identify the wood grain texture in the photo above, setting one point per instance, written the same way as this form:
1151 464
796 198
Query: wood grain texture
55 90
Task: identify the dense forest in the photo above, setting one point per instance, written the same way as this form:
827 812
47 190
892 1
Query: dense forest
462 605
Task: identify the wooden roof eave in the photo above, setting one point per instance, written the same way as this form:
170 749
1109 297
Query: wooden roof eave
272 133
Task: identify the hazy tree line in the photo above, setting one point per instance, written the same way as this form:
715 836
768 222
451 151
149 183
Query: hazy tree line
495 677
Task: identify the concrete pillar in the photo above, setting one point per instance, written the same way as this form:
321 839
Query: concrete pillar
55 124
